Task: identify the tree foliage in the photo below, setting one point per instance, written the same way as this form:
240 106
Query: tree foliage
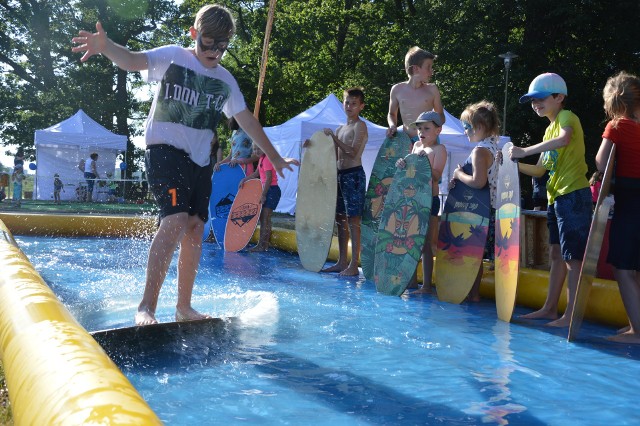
318 47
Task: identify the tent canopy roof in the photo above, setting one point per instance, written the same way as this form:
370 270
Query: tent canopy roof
80 130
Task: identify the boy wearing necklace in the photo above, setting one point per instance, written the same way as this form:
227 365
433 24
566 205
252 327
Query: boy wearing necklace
414 96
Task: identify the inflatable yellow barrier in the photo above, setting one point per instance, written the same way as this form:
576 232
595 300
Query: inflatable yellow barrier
56 373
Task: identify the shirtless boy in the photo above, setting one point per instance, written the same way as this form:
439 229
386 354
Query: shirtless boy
349 140
414 96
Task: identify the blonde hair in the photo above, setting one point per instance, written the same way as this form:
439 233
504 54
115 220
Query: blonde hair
482 115
216 22
621 96
415 57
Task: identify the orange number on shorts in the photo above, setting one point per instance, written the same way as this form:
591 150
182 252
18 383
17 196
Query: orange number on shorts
174 196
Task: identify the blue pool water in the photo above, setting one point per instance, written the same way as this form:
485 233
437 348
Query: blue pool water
310 348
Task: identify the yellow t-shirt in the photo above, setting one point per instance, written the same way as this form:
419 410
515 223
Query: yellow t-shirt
566 165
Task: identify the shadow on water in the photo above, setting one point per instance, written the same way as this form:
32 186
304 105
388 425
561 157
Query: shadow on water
176 347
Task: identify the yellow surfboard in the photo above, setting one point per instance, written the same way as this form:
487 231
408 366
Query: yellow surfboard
316 201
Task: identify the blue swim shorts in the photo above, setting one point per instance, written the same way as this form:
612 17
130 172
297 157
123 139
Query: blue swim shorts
352 186
569 220
273 197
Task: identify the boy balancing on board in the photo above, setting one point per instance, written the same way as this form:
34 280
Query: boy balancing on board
178 136
270 196
350 140
414 96
622 105
569 211
429 126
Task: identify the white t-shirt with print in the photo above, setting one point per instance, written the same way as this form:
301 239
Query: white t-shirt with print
189 101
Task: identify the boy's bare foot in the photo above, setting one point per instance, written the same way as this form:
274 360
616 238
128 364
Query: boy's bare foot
626 337
334 268
351 271
472 299
563 321
145 317
623 330
257 249
189 315
540 314
425 289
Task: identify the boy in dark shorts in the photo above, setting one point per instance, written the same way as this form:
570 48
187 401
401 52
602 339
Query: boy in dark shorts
350 140
569 212
193 93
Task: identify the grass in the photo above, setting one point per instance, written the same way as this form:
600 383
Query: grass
5 405
68 207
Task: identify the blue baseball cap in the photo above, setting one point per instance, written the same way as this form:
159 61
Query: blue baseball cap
545 85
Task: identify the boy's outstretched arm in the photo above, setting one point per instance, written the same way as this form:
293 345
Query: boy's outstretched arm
98 43
253 128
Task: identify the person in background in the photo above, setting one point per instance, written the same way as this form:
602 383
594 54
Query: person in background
178 137
539 193
90 175
112 188
569 213
595 183
241 150
270 196
18 159
57 187
17 178
622 105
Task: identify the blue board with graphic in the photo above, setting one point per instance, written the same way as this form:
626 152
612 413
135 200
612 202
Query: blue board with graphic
224 189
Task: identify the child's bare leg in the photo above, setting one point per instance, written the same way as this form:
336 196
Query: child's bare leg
188 261
630 291
573 268
343 242
354 231
474 294
427 256
557 274
265 231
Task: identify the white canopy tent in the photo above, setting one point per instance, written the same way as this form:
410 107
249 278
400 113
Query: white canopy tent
288 137
60 147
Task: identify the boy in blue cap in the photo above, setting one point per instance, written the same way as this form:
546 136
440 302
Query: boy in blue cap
569 212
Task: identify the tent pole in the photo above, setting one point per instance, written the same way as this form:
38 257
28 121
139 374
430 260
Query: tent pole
265 54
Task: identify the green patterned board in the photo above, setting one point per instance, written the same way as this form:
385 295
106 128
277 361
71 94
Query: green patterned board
592 251
507 241
380 180
316 202
403 226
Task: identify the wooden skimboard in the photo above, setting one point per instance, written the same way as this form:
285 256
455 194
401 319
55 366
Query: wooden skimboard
464 226
592 250
384 167
507 240
403 226
244 216
224 189
316 202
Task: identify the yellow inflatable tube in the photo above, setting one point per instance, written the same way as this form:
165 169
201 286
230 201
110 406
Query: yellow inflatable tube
56 373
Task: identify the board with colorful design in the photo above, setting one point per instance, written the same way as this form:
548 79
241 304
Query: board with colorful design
316 202
244 215
507 240
464 226
224 189
403 226
384 167
592 251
